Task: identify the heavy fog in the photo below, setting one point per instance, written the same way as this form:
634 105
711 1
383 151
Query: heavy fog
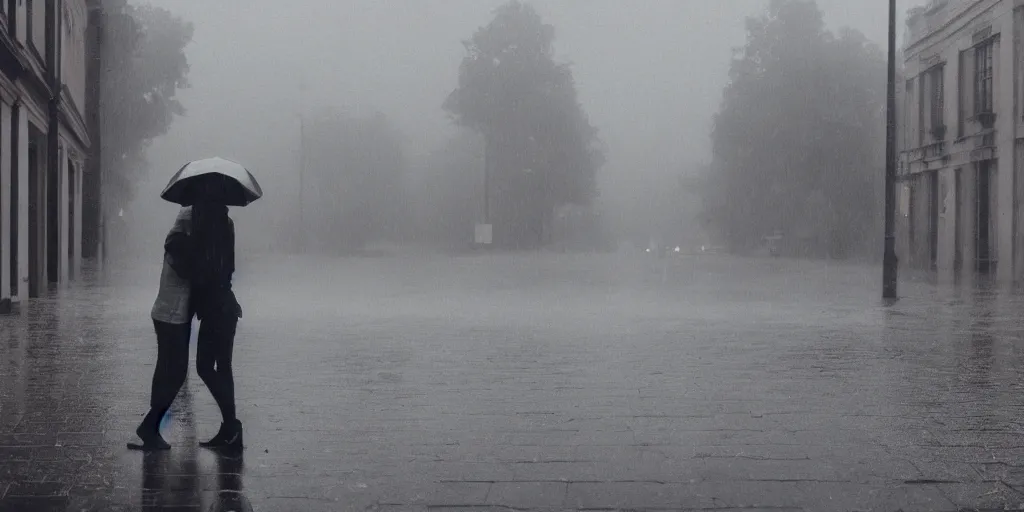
676 309
649 75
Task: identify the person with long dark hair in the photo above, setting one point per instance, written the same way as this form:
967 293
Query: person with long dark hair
214 303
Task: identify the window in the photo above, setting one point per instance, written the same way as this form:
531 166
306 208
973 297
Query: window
961 93
908 102
12 16
922 99
983 93
28 20
69 20
936 89
37 17
984 221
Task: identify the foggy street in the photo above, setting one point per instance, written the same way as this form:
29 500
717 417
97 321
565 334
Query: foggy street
530 382
511 255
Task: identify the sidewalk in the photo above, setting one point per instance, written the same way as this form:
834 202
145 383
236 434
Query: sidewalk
536 387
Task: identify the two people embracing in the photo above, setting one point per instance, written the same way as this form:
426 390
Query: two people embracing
195 281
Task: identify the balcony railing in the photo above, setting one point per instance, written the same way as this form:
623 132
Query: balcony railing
987 139
974 147
935 150
926 152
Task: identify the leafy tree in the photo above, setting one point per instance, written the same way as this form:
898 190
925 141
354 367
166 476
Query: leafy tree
539 145
799 138
144 66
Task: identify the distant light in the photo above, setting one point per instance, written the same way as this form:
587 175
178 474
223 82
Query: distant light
677 248
702 249
647 249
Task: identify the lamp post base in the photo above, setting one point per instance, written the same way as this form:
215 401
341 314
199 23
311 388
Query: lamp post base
890 267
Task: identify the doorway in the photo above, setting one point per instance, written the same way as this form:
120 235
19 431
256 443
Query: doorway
933 221
983 218
34 212
41 205
72 203
958 221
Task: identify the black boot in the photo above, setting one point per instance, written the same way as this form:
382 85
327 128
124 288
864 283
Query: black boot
229 437
149 432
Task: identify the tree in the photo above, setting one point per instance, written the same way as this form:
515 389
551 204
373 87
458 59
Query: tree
799 138
540 148
144 66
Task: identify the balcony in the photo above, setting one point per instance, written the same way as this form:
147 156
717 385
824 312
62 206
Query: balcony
982 146
934 150
936 154
985 120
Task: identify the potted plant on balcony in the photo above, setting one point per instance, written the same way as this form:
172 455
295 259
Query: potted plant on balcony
986 119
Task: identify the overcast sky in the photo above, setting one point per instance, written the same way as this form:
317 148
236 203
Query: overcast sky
649 72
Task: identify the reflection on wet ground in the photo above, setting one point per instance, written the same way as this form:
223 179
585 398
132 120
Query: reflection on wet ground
545 382
174 480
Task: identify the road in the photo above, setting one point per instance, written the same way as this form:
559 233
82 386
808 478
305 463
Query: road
531 382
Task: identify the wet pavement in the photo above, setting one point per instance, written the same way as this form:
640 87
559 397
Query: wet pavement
544 382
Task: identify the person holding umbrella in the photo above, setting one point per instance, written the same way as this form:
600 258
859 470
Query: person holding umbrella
207 187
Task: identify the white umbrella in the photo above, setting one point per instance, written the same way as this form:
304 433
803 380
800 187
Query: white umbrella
214 179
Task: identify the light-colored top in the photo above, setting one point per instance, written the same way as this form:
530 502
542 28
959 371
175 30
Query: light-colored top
171 304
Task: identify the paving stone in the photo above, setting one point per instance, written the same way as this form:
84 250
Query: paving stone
747 494
778 470
528 495
35 504
413 492
983 496
634 495
838 496
35 489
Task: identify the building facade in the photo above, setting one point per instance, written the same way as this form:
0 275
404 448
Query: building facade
962 140
44 143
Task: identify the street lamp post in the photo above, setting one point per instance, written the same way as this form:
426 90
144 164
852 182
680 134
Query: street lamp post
303 159
889 260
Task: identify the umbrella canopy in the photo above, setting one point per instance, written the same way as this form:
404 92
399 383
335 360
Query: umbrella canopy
216 180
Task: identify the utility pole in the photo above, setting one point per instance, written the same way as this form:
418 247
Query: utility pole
889 260
302 180
303 92
488 160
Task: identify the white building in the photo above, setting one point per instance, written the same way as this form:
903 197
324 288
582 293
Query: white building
44 143
962 137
